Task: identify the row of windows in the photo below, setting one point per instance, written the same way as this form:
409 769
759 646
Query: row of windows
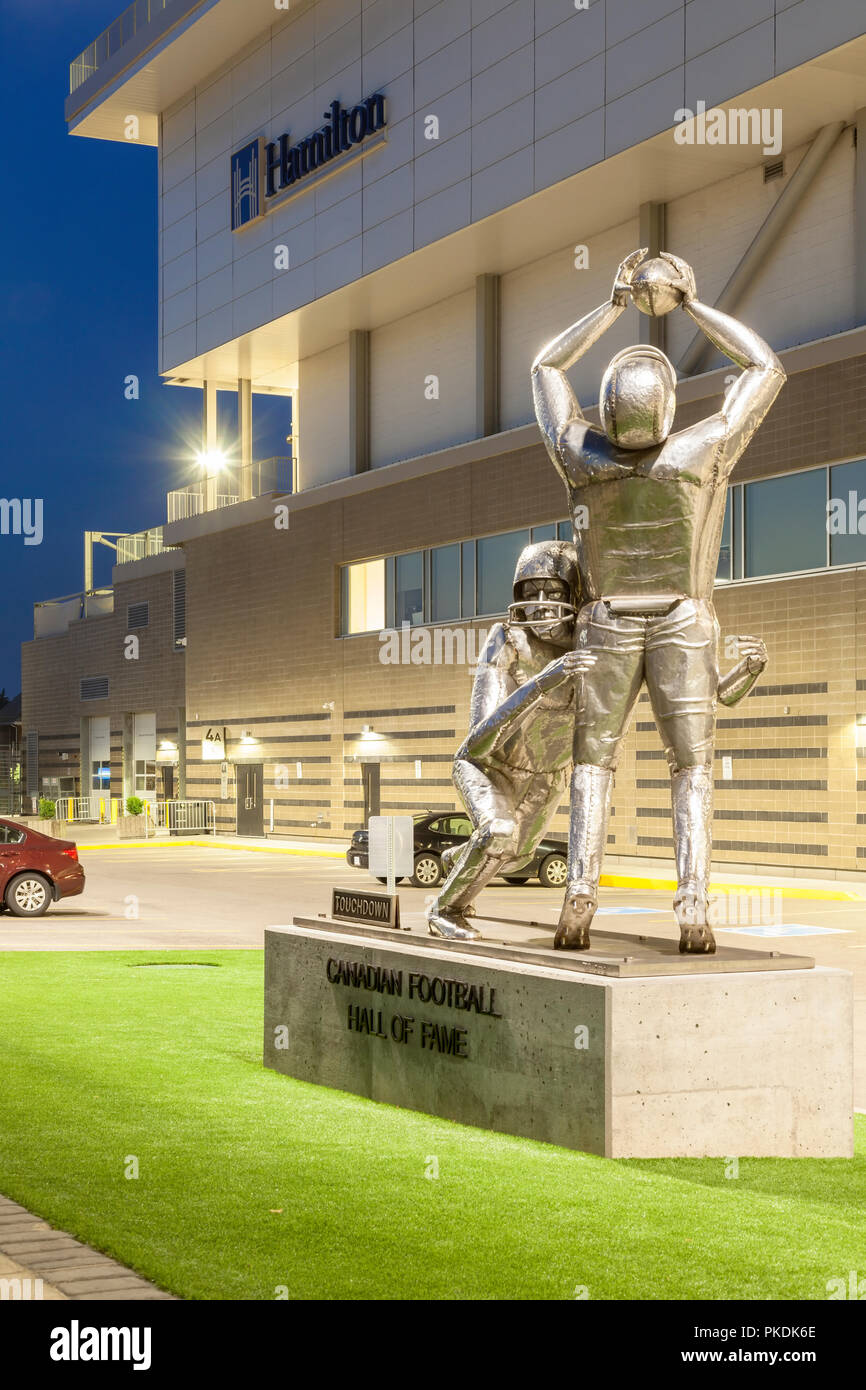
809 520
797 521
466 580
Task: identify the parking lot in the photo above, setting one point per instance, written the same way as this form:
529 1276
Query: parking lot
177 897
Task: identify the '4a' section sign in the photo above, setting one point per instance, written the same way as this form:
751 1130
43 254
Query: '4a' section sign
213 745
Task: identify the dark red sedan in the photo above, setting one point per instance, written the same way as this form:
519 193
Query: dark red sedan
35 870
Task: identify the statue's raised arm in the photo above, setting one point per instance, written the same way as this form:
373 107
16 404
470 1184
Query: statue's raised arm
556 405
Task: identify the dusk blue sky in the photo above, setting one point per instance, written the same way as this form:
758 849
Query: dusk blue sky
78 295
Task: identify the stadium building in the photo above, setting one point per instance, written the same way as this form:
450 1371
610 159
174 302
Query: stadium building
382 211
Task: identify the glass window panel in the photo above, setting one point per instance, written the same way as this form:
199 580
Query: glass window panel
544 533
445 583
737 530
497 558
363 597
785 524
467 569
564 531
846 524
389 592
723 569
409 600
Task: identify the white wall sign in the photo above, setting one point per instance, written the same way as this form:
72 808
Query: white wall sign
727 768
213 745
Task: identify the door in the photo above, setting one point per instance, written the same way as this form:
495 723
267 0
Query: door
370 779
167 782
250 785
100 765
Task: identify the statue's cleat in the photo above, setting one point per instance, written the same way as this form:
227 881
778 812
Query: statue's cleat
696 934
572 932
453 926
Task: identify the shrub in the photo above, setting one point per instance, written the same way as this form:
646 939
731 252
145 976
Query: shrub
47 809
134 805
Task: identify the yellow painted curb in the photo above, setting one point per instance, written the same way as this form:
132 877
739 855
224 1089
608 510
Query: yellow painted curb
835 895
211 844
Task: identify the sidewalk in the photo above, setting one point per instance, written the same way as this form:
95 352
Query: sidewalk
58 1267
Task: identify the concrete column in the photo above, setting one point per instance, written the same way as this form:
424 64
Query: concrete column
181 753
245 436
84 744
209 437
652 234
359 400
860 213
128 757
486 355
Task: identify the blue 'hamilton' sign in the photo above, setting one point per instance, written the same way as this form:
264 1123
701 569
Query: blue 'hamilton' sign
261 171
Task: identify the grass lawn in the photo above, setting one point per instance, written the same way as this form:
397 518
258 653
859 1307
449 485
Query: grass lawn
250 1182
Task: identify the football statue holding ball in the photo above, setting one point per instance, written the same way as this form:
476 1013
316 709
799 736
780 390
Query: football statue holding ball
655 496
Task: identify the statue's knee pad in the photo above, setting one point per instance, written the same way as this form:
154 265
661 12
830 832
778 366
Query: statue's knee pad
498 837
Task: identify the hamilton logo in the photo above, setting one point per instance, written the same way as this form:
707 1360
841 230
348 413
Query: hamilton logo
263 170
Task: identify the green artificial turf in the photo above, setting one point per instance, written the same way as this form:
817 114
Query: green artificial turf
251 1184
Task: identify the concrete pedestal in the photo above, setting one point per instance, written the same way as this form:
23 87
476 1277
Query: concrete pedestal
730 1063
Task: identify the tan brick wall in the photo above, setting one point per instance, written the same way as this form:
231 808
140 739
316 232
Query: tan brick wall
53 667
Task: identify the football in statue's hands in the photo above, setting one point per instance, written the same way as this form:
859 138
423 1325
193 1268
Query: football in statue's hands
653 290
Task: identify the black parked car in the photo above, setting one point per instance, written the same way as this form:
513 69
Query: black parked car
436 831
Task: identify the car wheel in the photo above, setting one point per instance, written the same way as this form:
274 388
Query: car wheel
28 895
428 871
397 879
554 871
517 878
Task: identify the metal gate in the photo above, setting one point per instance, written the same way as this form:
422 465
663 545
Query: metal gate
177 816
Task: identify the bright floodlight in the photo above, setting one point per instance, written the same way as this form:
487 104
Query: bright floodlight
212 460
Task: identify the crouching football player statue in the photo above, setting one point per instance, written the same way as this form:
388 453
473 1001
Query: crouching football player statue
655 501
512 770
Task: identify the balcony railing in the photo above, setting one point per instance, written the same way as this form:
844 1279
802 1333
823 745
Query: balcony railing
142 543
230 487
112 39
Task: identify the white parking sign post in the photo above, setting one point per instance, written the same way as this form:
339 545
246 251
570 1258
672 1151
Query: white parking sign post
391 848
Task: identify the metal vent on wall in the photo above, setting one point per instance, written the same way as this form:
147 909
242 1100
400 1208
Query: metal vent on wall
94 688
179 607
31 753
137 615
774 169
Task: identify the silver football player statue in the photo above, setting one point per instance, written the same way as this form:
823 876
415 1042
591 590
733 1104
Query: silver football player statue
512 770
655 503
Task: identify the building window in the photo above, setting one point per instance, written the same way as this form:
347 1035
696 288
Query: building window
724 569
846 525
785 524
94 688
137 615
444 583
409 589
467 579
363 597
496 558
145 776
100 775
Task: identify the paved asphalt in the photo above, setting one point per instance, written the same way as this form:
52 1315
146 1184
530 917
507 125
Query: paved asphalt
154 897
